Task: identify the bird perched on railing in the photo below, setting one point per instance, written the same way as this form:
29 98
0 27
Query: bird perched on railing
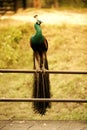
41 86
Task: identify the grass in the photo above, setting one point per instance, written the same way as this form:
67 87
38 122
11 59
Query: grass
67 51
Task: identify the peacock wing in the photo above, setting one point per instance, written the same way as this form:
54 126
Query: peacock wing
46 43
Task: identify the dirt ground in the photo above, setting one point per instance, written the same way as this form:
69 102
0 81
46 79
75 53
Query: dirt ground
43 125
50 16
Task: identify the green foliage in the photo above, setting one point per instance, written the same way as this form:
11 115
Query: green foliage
49 3
68 3
72 3
9 43
11 40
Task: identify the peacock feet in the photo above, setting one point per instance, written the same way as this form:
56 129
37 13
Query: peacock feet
38 69
43 70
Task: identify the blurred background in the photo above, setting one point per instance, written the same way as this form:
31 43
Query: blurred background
14 5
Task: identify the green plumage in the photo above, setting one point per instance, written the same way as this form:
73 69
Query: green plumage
37 40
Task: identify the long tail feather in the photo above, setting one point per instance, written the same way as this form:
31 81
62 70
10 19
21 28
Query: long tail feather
41 89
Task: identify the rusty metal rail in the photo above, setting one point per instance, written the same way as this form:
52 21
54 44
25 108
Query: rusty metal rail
42 100
40 71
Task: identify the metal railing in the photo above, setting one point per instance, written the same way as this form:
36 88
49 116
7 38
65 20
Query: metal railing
40 71
41 99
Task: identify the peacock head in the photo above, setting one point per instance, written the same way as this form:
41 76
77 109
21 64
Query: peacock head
37 21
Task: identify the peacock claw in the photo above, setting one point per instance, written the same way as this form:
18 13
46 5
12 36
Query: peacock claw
43 70
37 69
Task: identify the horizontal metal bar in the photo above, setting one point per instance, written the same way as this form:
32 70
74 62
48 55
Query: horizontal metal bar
17 71
42 100
40 71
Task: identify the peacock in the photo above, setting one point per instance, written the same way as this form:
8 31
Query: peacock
41 84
